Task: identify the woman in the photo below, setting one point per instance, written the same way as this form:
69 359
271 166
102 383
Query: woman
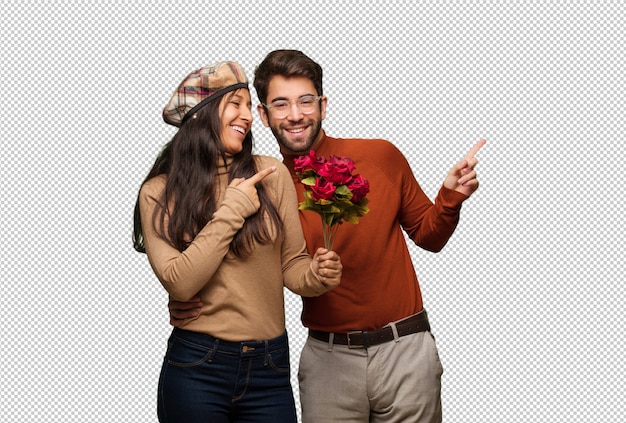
221 224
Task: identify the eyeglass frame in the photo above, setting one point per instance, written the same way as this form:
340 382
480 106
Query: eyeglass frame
315 98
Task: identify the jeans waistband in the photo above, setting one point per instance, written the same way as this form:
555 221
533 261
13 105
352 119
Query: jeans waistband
247 348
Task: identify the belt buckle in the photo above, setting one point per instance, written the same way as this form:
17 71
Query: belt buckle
354 332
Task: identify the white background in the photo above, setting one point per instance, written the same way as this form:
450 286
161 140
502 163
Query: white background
526 300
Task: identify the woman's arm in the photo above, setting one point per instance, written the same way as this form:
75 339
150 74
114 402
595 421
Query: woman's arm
184 274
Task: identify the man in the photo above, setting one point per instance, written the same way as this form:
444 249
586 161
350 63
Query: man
369 356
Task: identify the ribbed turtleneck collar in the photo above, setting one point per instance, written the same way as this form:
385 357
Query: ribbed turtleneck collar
223 167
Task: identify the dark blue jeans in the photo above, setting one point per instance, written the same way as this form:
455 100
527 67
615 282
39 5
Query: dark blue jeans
205 379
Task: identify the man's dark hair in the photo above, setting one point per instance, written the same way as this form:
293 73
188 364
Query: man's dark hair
288 64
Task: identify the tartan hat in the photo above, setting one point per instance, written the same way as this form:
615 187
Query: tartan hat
202 86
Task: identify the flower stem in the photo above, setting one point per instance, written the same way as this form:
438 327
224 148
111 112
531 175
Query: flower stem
328 231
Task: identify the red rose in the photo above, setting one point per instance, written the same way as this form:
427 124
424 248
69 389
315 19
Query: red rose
359 188
337 170
310 161
323 190
342 162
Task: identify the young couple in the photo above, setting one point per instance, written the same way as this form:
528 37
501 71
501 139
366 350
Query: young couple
223 234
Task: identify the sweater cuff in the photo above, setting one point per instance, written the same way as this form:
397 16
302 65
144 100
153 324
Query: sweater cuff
451 199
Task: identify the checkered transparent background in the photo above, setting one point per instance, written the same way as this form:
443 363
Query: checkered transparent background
526 300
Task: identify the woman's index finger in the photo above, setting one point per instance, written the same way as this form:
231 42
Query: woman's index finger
259 176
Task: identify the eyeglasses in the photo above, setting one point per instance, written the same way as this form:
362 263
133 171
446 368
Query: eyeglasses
281 108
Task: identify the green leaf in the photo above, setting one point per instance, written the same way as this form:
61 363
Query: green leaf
343 191
361 210
310 181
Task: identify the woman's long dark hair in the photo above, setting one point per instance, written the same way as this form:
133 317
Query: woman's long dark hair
190 161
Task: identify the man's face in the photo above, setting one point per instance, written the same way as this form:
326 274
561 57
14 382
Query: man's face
296 132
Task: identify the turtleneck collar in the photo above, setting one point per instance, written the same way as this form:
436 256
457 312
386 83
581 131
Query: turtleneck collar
223 167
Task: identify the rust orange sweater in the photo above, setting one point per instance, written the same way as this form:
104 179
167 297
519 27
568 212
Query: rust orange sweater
379 284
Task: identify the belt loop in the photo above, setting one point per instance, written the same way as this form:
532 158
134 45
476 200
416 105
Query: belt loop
331 340
267 354
394 329
216 346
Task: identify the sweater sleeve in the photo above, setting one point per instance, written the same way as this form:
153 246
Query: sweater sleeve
298 275
430 225
184 274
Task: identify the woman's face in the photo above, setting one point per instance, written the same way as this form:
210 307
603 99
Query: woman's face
236 120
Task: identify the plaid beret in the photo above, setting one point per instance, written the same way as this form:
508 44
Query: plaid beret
202 86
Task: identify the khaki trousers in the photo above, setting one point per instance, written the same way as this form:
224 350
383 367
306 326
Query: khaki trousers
398 381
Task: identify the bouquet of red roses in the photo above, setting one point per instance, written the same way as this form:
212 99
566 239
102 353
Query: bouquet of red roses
332 191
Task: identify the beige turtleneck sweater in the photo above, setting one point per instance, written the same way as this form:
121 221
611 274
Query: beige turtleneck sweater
243 297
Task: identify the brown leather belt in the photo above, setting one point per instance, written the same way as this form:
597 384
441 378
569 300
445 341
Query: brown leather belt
366 338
